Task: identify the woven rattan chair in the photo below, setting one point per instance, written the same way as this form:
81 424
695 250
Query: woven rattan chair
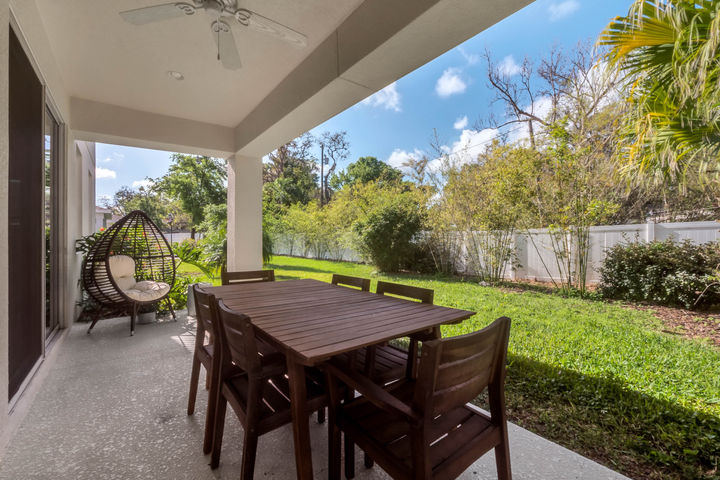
130 266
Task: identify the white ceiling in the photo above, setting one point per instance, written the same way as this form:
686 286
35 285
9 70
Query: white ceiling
105 59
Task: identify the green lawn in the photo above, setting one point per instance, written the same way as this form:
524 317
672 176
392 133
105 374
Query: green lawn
598 378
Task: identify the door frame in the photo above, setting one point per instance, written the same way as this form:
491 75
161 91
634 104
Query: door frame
61 289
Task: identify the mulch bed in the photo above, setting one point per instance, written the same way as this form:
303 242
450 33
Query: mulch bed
689 324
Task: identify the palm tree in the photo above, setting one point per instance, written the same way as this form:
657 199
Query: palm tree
669 52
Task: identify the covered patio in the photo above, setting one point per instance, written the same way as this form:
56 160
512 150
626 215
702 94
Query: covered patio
108 405
113 406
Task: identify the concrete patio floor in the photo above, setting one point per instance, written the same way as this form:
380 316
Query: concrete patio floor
113 406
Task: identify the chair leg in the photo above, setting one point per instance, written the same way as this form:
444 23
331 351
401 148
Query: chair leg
210 412
208 380
349 444
132 319
334 446
218 431
349 457
194 377
95 318
249 452
502 458
321 416
169 306
368 461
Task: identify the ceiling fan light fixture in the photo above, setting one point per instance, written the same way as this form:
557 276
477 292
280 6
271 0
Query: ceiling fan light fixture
175 75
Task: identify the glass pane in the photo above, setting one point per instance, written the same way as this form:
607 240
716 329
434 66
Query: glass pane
51 153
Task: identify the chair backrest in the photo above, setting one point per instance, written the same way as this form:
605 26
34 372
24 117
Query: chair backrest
454 371
424 295
345 280
205 312
237 340
255 276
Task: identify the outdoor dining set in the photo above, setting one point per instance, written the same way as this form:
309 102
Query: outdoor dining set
277 352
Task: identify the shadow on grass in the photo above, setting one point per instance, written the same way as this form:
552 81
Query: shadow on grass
600 417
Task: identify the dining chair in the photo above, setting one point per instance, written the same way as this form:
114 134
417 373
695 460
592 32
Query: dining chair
255 276
259 394
203 355
357 282
426 428
390 362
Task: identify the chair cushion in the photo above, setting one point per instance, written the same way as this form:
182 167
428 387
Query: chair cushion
122 269
147 291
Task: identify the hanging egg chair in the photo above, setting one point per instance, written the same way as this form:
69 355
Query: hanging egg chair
130 266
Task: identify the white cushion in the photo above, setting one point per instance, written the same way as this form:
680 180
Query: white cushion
147 291
122 269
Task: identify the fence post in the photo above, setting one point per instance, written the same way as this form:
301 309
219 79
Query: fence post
650 231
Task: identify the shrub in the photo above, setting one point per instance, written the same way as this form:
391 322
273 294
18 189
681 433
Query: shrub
386 235
662 273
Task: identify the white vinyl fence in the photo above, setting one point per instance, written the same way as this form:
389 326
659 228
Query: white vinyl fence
535 255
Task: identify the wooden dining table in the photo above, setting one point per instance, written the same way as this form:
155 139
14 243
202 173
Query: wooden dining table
311 321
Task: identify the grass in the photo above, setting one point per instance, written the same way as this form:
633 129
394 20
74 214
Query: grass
598 378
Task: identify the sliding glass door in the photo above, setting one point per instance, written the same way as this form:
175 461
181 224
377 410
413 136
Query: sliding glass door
52 151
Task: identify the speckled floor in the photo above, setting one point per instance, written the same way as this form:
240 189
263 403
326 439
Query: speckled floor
113 407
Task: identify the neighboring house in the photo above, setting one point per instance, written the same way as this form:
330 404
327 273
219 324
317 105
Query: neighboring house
104 217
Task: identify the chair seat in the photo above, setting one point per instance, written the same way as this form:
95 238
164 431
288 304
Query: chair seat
275 404
390 362
464 425
147 291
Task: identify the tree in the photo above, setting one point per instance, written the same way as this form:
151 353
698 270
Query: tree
149 201
293 155
335 148
365 170
573 86
195 182
487 200
668 51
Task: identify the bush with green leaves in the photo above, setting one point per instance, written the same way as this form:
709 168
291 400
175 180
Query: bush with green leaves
387 234
663 273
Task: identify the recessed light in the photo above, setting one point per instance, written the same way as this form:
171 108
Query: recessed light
175 75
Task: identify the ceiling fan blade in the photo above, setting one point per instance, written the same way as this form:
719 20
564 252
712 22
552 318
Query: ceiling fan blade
264 24
156 13
227 49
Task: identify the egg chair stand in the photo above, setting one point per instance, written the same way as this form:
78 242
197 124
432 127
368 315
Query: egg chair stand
131 266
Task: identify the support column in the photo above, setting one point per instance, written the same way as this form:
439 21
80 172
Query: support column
244 209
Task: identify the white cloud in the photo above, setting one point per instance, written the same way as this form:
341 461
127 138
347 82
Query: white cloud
101 172
147 183
470 58
471 144
450 83
117 155
560 10
460 123
509 67
387 98
107 160
398 157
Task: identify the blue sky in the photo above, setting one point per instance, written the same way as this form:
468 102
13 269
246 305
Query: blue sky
399 120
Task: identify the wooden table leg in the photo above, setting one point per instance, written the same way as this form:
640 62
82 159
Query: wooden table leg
300 420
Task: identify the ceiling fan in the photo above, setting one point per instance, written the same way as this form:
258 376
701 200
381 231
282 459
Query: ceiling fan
226 14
